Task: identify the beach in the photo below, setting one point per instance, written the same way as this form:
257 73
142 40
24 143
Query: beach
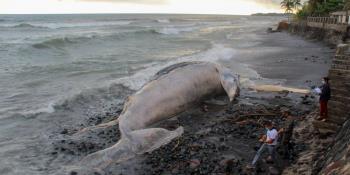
47 105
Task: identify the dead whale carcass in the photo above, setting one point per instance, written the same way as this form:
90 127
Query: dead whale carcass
172 91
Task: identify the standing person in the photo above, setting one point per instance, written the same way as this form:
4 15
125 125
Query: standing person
325 95
269 143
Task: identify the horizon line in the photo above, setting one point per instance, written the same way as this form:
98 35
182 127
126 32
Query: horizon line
223 14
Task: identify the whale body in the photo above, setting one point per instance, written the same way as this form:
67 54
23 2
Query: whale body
171 91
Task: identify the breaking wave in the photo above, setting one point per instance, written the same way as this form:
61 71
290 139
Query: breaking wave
163 20
175 31
216 52
126 84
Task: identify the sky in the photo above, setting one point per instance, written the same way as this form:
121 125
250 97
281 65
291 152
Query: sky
236 7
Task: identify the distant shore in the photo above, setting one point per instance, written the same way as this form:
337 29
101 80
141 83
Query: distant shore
269 14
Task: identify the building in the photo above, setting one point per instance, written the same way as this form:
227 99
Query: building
341 16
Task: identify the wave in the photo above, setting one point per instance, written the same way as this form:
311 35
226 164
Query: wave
215 53
54 43
60 42
182 20
163 20
26 25
115 91
98 100
66 25
175 30
89 24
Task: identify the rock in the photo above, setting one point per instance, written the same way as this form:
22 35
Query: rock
269 30
269 161
194 163
229 166
283 25
273 171
65 131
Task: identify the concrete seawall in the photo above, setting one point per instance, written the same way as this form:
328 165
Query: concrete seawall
329 36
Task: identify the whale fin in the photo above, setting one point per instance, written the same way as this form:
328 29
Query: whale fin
230 82
147 140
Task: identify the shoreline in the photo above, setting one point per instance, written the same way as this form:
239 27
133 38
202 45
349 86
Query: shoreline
214 139
222 140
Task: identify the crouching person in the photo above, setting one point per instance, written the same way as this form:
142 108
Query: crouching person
269 143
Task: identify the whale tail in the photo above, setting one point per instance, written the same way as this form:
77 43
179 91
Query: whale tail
137 142
101 159
147 140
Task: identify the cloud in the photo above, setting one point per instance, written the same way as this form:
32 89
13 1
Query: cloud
130 1
267 2
276 2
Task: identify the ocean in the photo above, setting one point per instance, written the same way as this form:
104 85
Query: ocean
56 70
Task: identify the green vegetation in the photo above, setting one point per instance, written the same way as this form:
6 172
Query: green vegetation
290 6
314 7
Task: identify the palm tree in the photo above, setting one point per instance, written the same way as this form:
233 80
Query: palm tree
288 5
313 4
297 4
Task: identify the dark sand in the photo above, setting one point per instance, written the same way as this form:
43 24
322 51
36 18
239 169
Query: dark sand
290 58
213 142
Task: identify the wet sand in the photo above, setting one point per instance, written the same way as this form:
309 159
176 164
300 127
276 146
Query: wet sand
300 63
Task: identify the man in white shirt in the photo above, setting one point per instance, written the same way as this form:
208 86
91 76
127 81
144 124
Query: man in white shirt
269 142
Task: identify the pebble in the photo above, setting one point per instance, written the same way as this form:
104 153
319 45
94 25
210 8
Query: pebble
194 163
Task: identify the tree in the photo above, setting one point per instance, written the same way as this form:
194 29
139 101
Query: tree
326 7
304 12
347 8
297 4
288 5
347 5
313 5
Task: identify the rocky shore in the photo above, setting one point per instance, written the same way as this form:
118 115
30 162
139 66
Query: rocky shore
222 140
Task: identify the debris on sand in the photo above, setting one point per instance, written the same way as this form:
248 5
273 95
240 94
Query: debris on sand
222 140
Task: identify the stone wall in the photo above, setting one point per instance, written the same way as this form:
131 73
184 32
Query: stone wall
336 159
329 36
339 74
